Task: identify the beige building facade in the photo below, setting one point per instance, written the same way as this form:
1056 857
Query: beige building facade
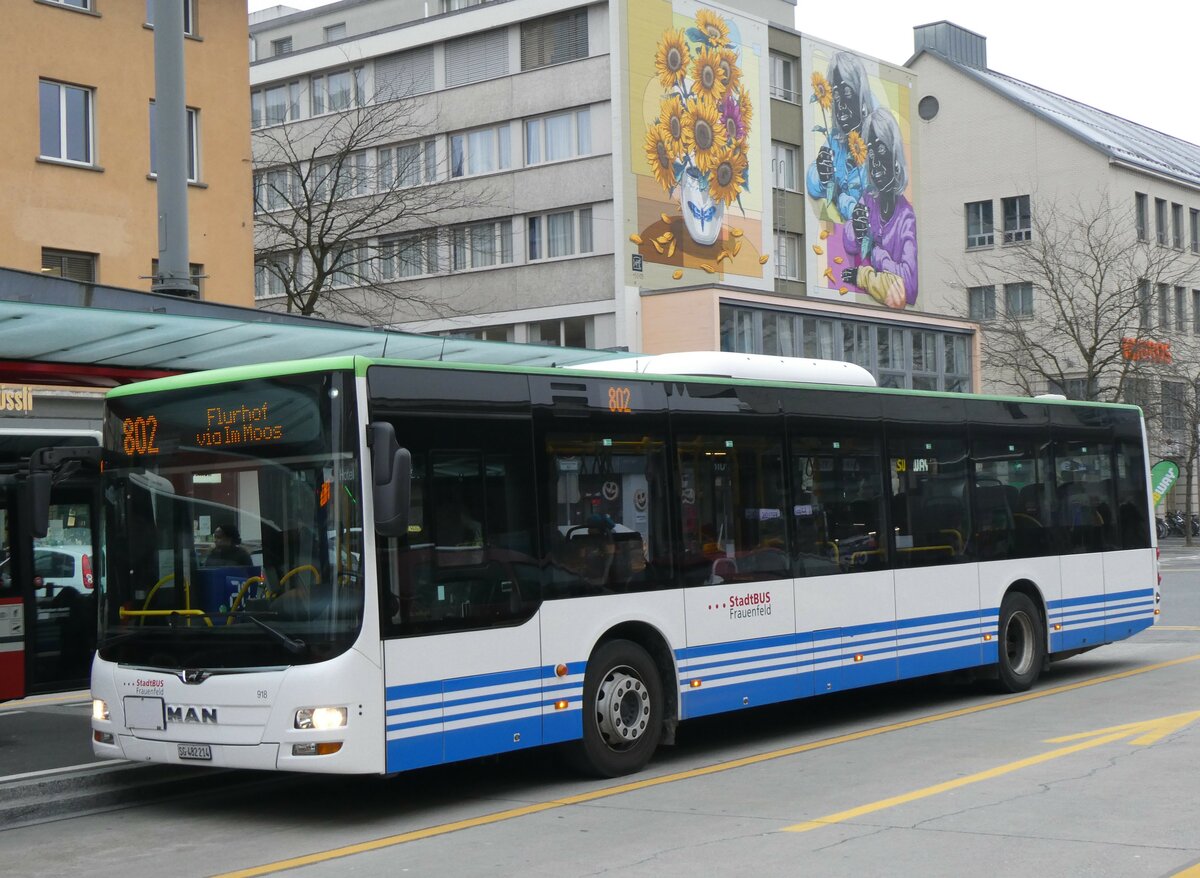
79 192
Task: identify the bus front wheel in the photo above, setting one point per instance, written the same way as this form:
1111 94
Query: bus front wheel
1022 643
622 710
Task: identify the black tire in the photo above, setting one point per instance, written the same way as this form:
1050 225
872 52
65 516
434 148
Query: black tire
622 711
1022 643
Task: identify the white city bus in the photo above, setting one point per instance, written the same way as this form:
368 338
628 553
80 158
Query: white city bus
442 561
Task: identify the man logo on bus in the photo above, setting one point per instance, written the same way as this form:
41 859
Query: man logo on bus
186 714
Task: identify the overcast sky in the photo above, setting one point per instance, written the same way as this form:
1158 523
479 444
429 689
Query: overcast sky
1135 62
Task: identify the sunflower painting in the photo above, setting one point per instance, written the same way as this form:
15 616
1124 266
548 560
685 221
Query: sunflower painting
697 141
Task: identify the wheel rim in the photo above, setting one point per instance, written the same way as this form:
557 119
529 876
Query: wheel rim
622 708
1018 642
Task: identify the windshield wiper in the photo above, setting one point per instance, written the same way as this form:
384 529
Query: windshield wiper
292 644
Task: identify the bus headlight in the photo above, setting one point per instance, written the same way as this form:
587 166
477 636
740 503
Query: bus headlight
321 718
99 709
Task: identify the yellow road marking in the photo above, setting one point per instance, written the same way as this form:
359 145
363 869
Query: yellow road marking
1145 732
633 786
1190 872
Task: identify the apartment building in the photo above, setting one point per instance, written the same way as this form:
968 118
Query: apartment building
78 174
1005 165
616 174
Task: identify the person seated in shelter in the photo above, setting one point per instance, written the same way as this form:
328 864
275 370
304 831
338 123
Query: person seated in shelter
228 551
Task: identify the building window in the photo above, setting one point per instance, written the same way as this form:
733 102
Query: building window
1141 213
558 137
409 164
455 5
1174 394
980 230
193 144
481 245
275 105
408 256
1194 224
787 256
1196 312
69 264
1143 295
783 165
898 357
77 4
476 57
335 32
348 266
334 180
1160 221
195 275
1074 388
66 122
337 91
554 39
562 233
1180 308
189 16
1164 306
275 189
570 332
1018 299
1018 224
270 273
481 151
783 78
981 303
1177 226
281 46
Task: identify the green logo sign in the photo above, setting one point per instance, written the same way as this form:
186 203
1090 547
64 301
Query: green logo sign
1162 476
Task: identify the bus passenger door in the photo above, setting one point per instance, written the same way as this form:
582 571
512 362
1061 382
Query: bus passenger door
462 647
12 608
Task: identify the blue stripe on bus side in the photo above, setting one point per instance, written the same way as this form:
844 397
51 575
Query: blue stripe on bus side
736 674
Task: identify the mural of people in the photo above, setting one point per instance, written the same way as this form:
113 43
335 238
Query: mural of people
883 225
837 173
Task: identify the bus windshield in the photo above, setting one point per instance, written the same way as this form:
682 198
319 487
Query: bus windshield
232 525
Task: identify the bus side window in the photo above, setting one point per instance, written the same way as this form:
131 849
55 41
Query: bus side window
608 528
930 513
731 506
837 505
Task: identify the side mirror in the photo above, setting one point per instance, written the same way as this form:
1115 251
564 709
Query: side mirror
391 477
39 503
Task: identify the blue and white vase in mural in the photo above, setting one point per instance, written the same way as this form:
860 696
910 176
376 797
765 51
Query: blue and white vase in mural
702 217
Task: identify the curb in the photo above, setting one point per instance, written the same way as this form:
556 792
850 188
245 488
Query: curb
46 796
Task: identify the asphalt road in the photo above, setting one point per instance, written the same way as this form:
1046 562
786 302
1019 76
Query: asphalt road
1091 773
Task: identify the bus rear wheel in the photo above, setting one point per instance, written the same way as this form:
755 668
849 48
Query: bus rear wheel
622 710
1022 643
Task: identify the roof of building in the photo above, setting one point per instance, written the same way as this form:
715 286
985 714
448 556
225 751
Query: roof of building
1122 140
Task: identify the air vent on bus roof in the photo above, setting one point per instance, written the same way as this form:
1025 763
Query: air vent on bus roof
727 364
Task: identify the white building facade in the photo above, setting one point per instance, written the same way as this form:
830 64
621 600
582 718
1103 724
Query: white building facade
576 220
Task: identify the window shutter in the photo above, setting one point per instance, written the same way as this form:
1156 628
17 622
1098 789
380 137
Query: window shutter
477 57
404 74
554 39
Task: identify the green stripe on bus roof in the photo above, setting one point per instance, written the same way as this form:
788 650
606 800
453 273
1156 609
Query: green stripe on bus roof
361 364
234 373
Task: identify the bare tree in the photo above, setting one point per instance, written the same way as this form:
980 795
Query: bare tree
1077 305
347 206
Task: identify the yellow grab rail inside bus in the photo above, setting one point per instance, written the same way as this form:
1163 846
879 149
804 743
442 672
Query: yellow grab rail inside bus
125 614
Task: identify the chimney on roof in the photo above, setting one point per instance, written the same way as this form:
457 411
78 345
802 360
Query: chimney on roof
954 42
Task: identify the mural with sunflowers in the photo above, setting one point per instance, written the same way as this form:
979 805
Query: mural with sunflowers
859 180
696 143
